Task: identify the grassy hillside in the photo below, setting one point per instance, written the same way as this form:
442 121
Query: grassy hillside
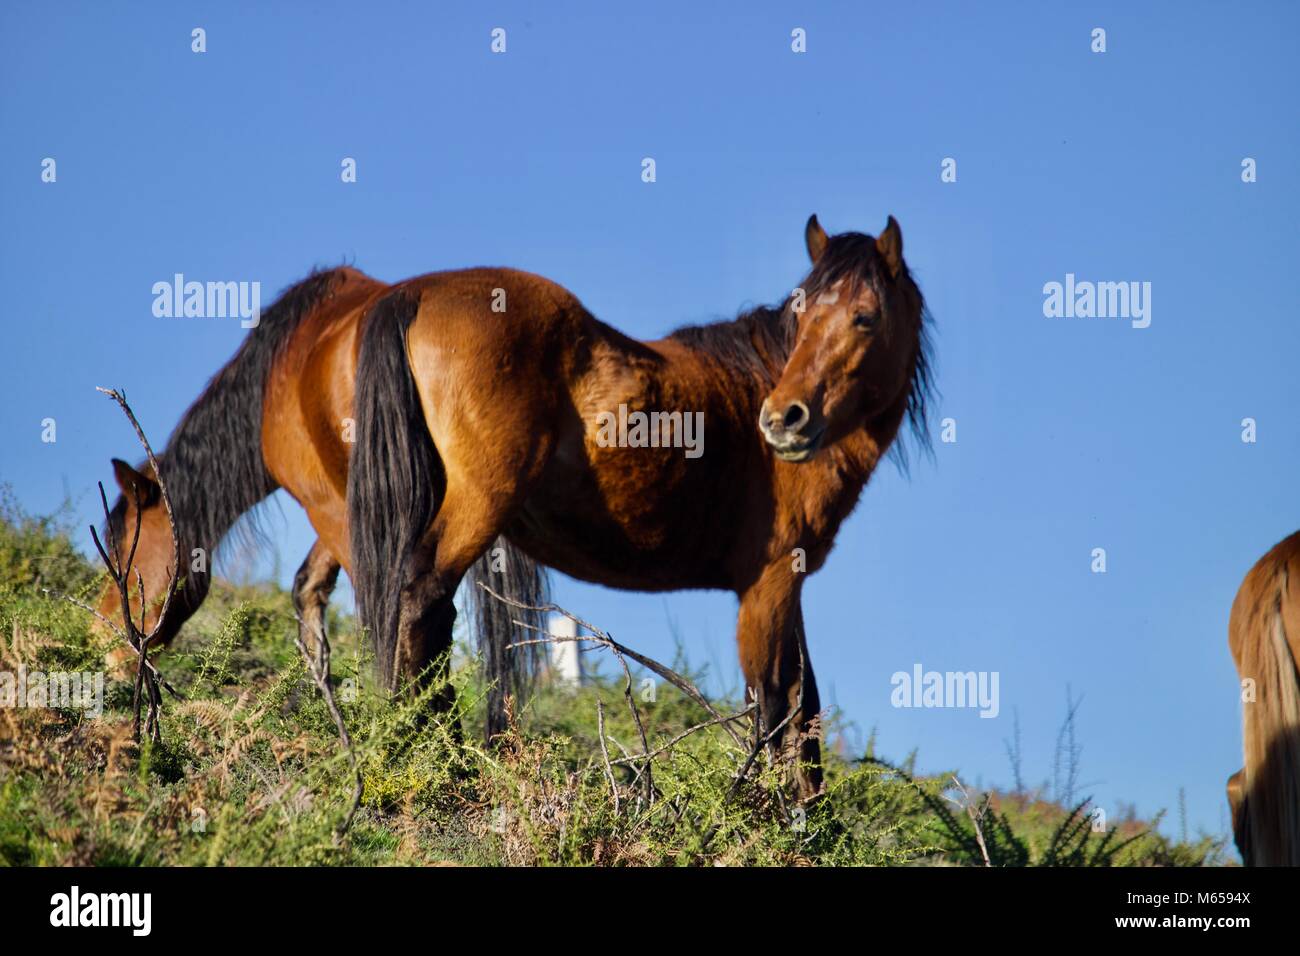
250 769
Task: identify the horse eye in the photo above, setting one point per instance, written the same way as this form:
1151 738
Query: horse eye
867 321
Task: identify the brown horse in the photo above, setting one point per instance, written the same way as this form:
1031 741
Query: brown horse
421 422
1264 636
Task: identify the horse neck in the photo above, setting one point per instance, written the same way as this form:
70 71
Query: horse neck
214 475
213 465
840 472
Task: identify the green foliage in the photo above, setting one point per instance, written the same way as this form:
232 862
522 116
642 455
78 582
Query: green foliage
998 829
37 551
251 772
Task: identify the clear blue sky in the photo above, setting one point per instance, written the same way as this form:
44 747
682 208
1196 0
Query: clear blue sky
1072 433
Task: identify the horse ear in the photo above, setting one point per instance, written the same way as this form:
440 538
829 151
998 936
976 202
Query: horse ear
890 246
132 481
815 236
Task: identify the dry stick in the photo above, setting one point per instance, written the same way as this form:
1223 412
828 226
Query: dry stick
599 636
147 676
319 666
604 752
144 611
604 641
686 733
966 804
120 575
166 498
157 675
629 758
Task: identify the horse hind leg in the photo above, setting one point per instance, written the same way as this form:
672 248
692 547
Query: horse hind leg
312 587
468 521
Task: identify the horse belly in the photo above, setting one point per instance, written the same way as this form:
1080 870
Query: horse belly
639 533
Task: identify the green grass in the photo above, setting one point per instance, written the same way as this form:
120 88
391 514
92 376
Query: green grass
250 771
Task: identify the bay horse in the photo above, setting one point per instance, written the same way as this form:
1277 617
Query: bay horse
450 426
1264 637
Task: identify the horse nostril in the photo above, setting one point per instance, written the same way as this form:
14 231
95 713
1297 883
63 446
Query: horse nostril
768 421
796 416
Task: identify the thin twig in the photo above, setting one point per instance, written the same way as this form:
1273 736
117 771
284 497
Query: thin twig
147 678
738 715
967 804
599 636
162 488
319 666
604 753
157 675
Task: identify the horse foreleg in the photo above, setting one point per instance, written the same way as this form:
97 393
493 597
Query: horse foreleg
774 658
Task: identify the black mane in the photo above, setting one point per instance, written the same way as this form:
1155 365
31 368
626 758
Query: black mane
759 342
212 465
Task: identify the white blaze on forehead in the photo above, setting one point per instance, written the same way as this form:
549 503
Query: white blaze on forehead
831 295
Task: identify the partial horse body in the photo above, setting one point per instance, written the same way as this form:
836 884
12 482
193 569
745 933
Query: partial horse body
1264 637
279 415
459 423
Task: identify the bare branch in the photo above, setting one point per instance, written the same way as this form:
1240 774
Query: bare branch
52 593
147 679
738 715
604 752
162 488
319 667
976 818
599 636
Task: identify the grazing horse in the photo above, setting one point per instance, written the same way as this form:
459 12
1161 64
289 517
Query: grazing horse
1264 637
461 423
277 415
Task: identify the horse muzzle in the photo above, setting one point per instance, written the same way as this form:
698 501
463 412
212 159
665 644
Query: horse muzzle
789 433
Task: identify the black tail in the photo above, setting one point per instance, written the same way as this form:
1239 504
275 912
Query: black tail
395 475
511 573
395 484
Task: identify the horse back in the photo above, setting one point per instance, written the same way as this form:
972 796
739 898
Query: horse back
307 406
